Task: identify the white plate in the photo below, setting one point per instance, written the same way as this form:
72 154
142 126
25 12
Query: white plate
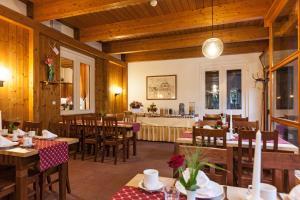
43 138
202 192
159 186
8 146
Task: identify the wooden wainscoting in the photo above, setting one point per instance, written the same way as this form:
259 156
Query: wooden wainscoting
14 55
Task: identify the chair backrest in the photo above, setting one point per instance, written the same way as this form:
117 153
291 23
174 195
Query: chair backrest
6 124
120 116
282 163
32 126
62 130
245 125
246 153
217 156
69 119
130 118
212 117
209 137
212 123
110 127
89 125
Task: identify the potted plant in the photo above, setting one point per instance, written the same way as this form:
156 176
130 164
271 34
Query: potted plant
152 108
50 64
193 164
135 106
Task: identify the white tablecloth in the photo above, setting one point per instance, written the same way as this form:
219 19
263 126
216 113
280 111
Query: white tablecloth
163 128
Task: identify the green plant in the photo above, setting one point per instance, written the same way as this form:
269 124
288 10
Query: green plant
193 164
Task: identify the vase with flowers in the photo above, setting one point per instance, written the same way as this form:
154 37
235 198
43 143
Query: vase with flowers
50 64
188 169
152 108
135 106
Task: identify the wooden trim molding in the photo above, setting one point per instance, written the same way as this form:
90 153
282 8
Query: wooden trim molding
274 11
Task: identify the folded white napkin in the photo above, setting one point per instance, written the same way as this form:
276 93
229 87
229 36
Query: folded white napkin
48 135
207 127
4 142
202 179
207 191
295 193
21 132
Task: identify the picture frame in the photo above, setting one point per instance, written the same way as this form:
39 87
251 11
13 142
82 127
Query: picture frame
161 87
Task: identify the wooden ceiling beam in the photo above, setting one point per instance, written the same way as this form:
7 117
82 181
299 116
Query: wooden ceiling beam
196 52
229 35
238 11
57 9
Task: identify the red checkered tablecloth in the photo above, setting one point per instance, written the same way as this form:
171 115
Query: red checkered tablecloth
133 193
51 153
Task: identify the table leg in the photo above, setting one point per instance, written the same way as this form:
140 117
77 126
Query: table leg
21 183
63 181
134 143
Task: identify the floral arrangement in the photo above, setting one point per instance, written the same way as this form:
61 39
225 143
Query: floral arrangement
219 124
152 108
49 62
193 164
135 104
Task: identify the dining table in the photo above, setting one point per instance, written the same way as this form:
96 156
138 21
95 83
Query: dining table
131 191
187 138
45 154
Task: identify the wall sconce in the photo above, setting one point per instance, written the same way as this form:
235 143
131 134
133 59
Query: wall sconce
4 75
117 91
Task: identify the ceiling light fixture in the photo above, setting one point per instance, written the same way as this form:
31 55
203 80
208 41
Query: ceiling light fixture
153 3
212 47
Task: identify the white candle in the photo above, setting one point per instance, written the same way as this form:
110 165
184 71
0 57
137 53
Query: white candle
257 168
230 128
0 120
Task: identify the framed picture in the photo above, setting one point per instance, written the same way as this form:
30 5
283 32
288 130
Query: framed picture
162 87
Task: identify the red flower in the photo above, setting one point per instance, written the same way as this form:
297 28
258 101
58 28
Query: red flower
219 123
49 61
176 161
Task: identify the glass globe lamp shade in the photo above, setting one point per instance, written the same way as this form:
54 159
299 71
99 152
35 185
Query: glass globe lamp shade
212 48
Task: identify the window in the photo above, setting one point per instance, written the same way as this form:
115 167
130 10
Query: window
212 90
285 32
77 83
285 92
234 89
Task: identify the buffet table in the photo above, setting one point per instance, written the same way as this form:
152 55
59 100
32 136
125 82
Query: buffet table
166 129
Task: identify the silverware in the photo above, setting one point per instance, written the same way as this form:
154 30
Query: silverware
279 196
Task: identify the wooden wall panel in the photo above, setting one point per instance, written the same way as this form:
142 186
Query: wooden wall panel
115 76
14 55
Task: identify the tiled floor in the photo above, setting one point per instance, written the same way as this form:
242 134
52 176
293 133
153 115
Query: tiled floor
99 181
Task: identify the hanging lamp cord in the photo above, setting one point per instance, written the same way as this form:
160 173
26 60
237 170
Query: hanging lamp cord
212 18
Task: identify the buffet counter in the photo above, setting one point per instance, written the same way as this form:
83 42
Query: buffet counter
166 129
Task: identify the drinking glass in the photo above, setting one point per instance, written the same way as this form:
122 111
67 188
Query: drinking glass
171 193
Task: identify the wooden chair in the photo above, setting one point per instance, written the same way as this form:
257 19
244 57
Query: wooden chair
113 138
32 126
91 135
245 125
217 156
284 165
8 185
207 123
130 118
61 130
6 124
246 154
209 137
131 141
120 116
75 130
212 117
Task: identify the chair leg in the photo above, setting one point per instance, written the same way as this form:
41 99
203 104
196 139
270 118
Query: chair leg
96 151
107 151
116 154
83 152
103 153
124 151
42 186
37 189
49 181
68 182
128 148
